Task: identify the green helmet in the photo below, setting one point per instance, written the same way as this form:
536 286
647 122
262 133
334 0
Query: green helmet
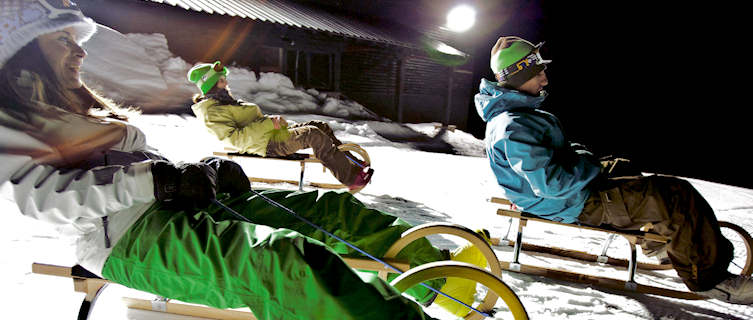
517 62
206 75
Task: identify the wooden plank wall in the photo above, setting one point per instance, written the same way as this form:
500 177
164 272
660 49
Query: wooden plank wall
371 78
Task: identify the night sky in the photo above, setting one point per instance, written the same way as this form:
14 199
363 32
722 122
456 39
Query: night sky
664 86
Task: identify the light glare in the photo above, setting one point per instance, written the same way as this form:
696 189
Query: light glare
461 18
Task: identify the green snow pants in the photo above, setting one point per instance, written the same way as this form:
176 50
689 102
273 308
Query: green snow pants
279 267
699 252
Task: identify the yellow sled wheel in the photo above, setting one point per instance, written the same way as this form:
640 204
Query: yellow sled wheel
427 229
443 269
352 147
748 240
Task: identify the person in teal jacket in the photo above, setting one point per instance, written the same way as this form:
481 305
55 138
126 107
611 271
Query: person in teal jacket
548 180
543 173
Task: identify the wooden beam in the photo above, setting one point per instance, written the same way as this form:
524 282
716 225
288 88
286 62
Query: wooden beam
371 265
599 281
193 310
627 234
312 184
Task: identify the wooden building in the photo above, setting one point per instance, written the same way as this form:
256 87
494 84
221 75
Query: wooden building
385 68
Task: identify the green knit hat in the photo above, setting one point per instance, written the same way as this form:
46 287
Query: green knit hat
206 75
516 60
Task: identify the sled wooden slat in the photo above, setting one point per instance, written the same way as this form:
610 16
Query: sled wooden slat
367 264
580 255
190 310
313 184
598 281
297 157
525 216
52 270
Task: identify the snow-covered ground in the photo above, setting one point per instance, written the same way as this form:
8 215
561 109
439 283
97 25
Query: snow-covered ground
415 185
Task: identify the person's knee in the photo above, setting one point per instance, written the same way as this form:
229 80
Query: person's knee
669 183
318 136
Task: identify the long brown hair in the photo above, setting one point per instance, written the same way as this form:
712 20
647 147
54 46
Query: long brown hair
27 83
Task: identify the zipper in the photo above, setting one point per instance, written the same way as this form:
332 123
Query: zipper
107 237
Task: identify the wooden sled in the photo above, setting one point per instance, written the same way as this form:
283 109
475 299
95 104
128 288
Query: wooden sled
92 285
303 159
635 238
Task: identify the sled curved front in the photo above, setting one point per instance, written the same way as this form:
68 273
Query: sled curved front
352 147
427 229
748 240
444 269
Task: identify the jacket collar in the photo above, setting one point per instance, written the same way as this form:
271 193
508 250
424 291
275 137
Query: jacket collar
493 99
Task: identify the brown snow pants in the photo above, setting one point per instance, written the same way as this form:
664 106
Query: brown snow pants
697 249
318 136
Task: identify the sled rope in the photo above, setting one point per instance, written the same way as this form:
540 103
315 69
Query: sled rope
353 161
352 246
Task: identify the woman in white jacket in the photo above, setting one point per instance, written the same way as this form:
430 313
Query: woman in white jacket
134 213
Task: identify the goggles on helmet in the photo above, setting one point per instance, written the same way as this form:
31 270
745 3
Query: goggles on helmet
532 59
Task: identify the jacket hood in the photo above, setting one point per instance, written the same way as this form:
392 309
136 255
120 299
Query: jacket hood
493 99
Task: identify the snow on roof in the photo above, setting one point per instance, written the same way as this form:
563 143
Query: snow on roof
291 14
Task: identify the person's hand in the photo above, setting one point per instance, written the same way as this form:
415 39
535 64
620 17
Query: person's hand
230 176
278 121
189 185
581 149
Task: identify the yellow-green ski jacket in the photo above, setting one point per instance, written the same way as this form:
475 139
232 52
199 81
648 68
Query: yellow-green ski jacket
243 126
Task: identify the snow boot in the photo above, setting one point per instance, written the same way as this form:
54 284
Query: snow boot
737 289
362 179
462 289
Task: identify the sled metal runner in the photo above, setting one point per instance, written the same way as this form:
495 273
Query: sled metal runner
92 285
635 238
303 159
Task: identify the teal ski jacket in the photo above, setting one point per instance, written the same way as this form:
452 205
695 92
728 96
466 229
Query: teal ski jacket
537 168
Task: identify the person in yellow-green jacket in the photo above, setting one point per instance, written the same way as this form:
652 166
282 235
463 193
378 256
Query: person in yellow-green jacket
243 125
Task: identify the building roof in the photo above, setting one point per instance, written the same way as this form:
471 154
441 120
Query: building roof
291 14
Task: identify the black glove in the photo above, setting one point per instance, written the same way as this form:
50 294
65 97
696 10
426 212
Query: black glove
230 176
189 185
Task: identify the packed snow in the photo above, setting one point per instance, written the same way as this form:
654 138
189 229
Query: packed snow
415 185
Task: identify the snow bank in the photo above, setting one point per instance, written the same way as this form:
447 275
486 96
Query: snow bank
275 93
140 70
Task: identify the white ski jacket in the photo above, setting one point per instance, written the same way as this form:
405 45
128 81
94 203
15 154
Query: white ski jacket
105 187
